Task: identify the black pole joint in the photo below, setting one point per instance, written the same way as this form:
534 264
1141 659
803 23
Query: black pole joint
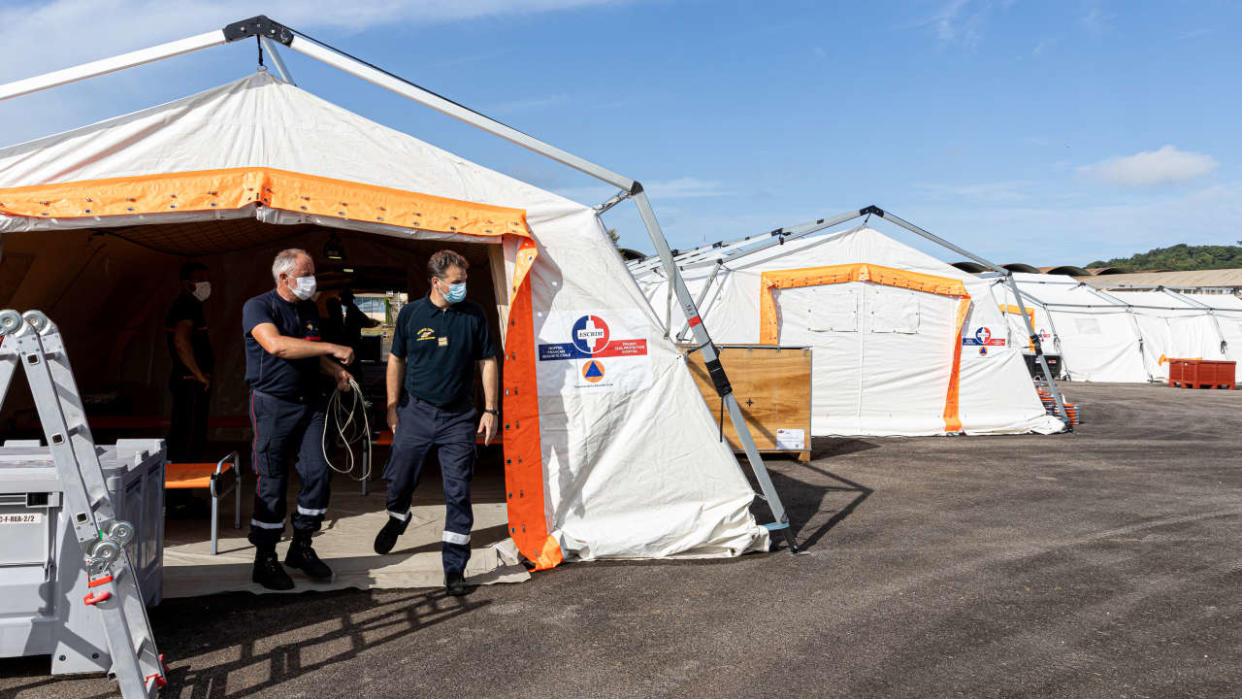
873 209
259 26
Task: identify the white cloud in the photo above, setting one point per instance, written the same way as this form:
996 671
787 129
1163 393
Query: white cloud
38 37
962 21
1165 166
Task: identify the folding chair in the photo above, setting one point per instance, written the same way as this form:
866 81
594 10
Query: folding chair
211 477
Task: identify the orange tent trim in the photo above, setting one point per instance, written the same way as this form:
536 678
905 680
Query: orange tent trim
234 188
769 324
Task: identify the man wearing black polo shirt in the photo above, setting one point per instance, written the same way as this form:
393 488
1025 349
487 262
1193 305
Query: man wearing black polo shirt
436 343
284 358
192 365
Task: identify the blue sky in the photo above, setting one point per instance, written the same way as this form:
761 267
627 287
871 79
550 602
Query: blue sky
1044 132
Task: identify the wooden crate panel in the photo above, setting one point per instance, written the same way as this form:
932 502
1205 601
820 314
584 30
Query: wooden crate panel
773 388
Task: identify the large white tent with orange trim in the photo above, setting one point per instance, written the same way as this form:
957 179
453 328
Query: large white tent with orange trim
902 343
96 221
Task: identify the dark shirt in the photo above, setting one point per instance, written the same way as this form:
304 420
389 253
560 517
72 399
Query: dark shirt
440 348
284 378
186 307
355 321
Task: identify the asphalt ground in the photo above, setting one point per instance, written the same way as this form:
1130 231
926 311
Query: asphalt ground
1103 563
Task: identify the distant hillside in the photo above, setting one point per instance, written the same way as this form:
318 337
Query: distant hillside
1180 257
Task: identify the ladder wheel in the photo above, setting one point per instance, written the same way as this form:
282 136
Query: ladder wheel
10 321
121 532
103 555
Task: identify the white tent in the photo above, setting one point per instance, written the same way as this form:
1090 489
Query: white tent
903 344
1098 338
96 219
1128 335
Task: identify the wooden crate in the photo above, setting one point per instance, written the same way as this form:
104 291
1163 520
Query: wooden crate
773 388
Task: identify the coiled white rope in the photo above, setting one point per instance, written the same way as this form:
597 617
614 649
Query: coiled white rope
349 417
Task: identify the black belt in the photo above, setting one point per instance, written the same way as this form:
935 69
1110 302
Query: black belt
457 404
300 398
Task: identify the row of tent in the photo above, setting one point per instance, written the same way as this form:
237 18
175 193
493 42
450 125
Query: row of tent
906 345
1125 335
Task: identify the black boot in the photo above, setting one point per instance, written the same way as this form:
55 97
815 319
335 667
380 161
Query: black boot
268 572
304 558
455 584
387 537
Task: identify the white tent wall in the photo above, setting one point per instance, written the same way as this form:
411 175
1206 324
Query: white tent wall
1099 338
1171 328
631 472
866 378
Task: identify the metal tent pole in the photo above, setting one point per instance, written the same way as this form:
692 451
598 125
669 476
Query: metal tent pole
698 303
111 65
779 236
276 59
711 359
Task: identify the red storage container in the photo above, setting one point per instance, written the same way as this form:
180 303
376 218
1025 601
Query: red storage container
1201 373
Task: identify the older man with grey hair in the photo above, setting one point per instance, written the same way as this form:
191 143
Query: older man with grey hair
284 357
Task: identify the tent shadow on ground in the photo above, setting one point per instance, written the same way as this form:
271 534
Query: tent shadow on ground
808 496
260 642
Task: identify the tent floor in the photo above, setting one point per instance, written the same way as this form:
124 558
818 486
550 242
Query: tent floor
345 542
1102 563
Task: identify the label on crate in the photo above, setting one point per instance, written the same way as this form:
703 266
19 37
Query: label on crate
21 518
592 351
790 439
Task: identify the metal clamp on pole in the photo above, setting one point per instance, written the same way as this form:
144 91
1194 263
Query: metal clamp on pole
719 379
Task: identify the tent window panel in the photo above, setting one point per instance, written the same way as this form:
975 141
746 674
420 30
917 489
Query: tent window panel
820 309
893 310
1087 326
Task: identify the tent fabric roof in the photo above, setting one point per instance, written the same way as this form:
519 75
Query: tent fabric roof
261 121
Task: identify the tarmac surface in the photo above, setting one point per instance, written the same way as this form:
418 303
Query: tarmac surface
1103 563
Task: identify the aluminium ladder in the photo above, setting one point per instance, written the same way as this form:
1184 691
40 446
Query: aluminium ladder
34 343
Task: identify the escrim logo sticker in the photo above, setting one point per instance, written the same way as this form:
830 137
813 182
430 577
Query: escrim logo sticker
983 340
572 347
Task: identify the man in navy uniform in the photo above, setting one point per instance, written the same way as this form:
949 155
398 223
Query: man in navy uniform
284 358
192 364
436 344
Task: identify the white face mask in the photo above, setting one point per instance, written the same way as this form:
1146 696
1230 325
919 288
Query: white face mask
202 290
305 287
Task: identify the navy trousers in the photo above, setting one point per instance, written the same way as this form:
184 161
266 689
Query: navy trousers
287 432
422 427
187 435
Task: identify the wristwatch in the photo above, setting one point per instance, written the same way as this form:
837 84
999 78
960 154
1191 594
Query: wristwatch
492 412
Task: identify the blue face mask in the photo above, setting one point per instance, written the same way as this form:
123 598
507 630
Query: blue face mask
456 292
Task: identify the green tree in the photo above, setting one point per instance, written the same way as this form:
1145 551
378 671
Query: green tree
1180 257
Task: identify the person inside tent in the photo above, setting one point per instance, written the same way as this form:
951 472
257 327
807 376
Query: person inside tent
355 320
333 324
189 382
437 341
284 357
